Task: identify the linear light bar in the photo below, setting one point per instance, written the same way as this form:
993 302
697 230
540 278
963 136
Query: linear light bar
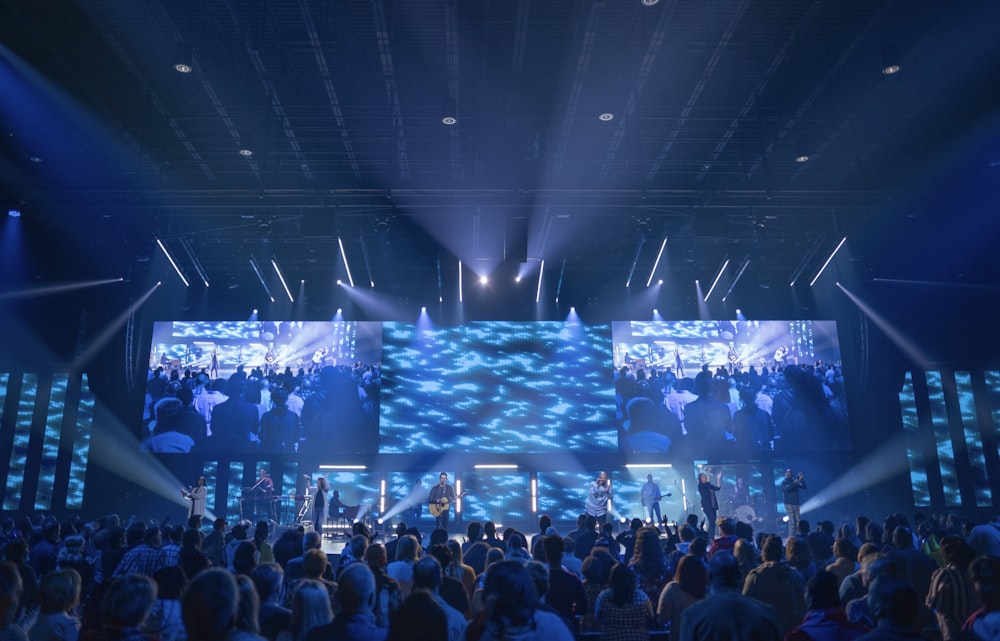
538 290
496 466
177 269
458 499
657 263
343 467
281 277
260 277
562 272
381 501
460 297
716 281
820 272
640 466
739 274
343 254
194 260
534 495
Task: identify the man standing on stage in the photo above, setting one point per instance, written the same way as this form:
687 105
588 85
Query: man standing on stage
790 491
709 501
599 498
441 497
650 496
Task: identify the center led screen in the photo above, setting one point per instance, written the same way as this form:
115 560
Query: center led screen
503 387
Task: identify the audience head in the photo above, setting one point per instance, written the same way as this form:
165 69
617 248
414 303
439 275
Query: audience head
553 547
822 592
622 584
245 557
356 589
418 618
407 548
427 574
311 541
170 582
210 605
474 531
268 579
985 573
892 600
128 602
375 556
490 528
539 575
902 538
510 595
11 589
772 550
248 610
692 576
724 571
314 564
59 591
310 607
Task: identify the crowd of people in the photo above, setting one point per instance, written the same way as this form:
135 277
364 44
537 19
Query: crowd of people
139 581
787 408
277 412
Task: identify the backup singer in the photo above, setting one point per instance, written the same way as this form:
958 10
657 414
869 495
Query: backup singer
650 496
320 506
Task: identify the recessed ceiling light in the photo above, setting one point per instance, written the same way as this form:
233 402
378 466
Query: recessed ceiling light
449 120
649 3
606 117
802 158
246 153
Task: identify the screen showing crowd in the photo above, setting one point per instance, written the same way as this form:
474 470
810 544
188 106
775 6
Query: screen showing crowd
733 388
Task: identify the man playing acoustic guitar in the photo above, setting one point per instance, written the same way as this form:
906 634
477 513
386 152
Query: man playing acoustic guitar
440 501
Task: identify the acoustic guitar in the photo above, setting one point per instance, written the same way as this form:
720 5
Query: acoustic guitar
443 505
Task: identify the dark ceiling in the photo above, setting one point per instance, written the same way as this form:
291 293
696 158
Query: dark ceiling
341 103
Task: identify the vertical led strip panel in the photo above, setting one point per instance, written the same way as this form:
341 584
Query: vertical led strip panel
235 488
50 444
81 446
973 439
911 429
942 436
22 436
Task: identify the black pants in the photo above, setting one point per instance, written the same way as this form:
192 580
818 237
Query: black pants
711 514
442 520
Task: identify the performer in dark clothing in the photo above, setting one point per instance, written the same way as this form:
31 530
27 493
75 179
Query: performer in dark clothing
790 492
441 497
709 501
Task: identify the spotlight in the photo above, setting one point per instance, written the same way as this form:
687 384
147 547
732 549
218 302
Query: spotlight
738 311
14 213
483 280
380 521
517 279
890 60
572 309
659 282
340 282
184 58
255 311
449 120
801 150
606 117
656 311
340 311
423 310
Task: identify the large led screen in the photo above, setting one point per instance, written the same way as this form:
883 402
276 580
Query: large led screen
297 388
504 387
729 388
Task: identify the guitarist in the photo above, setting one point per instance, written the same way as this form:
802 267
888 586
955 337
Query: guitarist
441 497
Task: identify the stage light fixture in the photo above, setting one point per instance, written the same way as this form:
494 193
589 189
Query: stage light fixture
461 296
184 58
173 263
340 311
483 280
194 260
343 255
890 60
260 277
495 466
716 281
14 213
517 279
606 117
821 269
801 150
538 290
649 3
640 466
659 282
572 309
281 277
423 310
656 264
343 467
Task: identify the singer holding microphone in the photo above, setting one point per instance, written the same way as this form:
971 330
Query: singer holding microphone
198 496
790 487
599 498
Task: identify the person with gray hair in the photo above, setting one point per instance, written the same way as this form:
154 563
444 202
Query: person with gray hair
427 577
356 622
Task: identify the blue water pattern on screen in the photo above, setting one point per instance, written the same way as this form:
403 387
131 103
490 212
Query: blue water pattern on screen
497 387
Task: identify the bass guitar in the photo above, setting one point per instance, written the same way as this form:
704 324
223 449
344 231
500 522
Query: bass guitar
439 507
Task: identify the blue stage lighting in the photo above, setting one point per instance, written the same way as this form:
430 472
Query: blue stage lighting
14 213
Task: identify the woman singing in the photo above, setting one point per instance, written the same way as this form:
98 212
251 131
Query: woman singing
198 496
320 505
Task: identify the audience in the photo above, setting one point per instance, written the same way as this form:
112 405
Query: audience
623 611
